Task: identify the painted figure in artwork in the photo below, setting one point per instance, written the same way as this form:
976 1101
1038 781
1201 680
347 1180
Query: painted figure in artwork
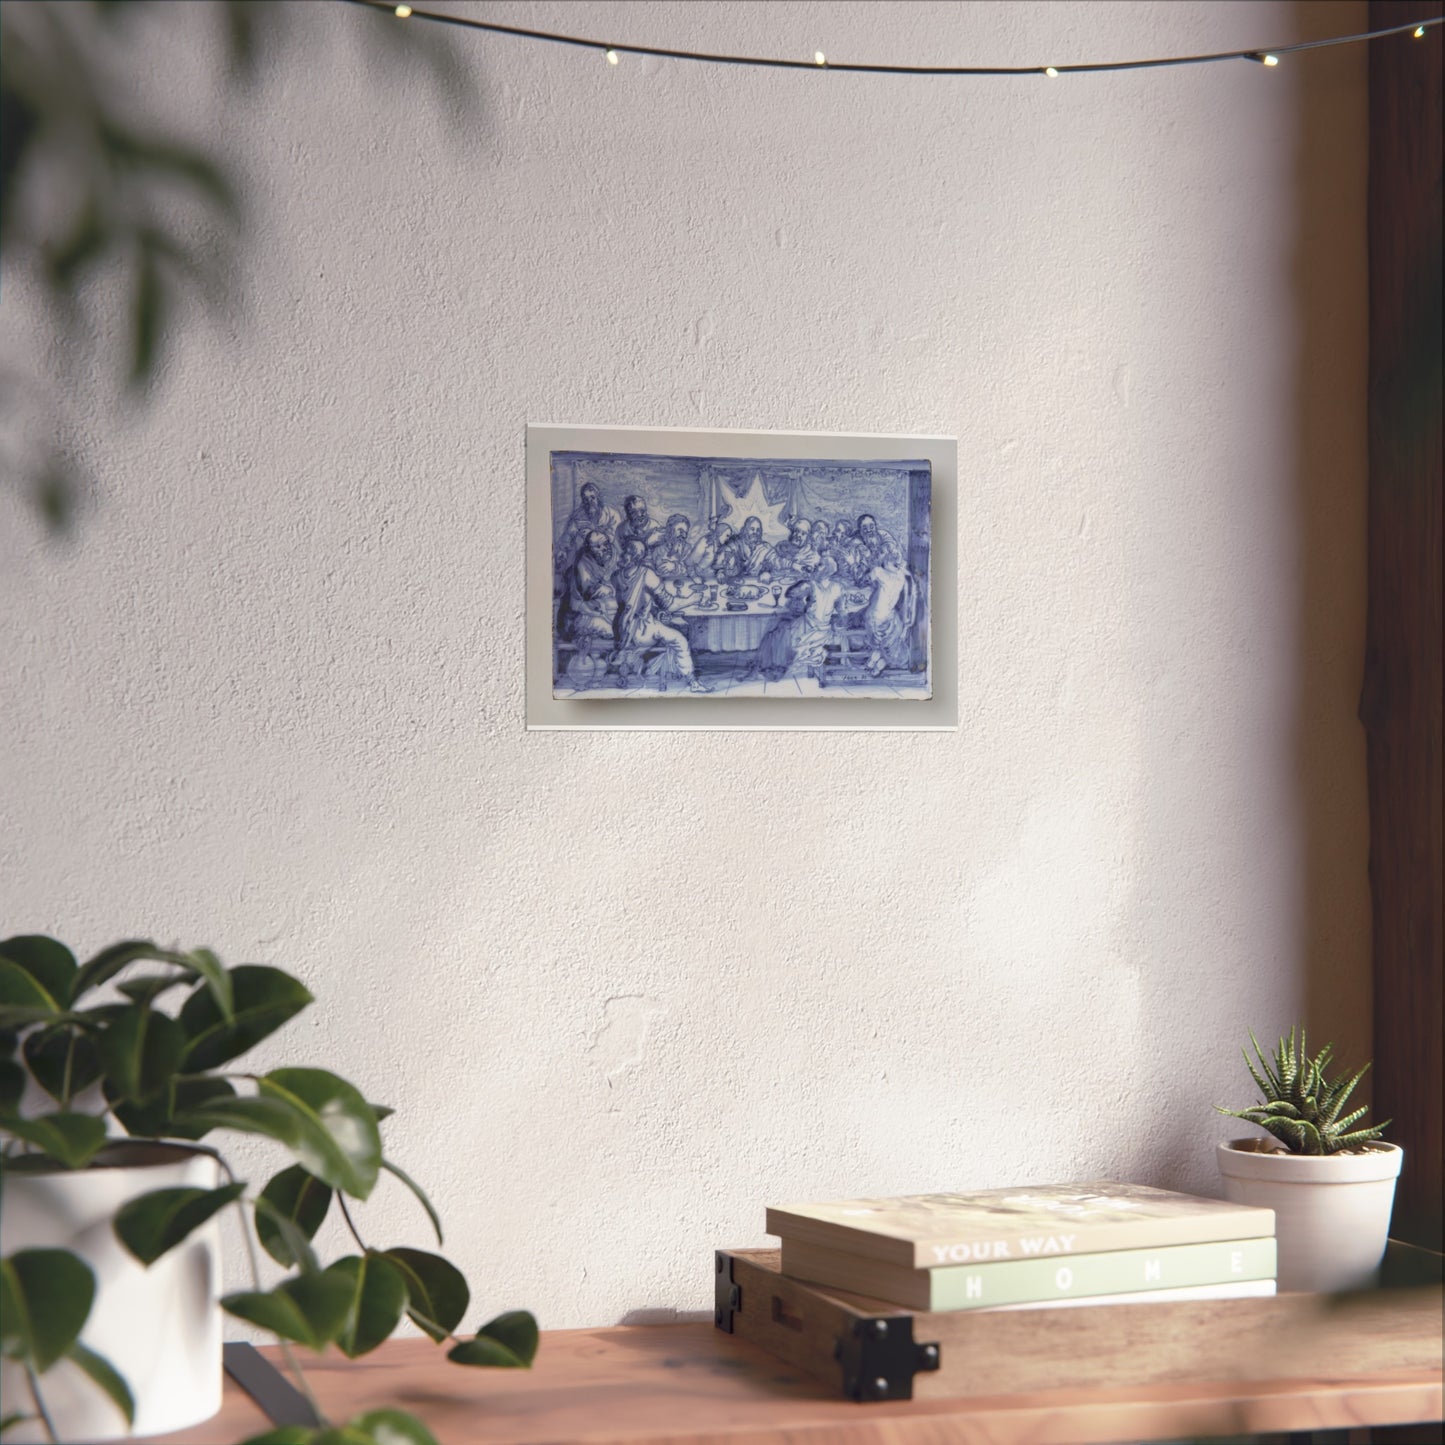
892 599
646 645
796 556
702 558
637 525
669 558
796 644
589 603
591 514
844 547
587 613
747 555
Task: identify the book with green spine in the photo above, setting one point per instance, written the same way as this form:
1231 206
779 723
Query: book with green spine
923 1231
1034 1281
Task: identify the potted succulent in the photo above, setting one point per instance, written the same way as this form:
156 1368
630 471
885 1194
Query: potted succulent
111 1188
1331 1185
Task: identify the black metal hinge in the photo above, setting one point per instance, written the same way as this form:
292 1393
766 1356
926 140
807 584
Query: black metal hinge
727 1296
880 1358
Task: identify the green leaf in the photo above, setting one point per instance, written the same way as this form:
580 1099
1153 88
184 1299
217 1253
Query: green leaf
151 1224
392 1427
378 1296
50 964
73 1139
11 1421
14 1323
295 1243
507 1342
437 1294
331 1143
310 1310
209 967
12 1086
298 1197
382 1111
164 1116
264 998
109 962
340 1143
284 1435
64 1061
416 1189
45 1299
186 1094
341 1435
1360 1136
23 999
148 989
104 1374
141 1051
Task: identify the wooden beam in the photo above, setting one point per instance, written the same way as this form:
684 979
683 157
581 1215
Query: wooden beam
1400 703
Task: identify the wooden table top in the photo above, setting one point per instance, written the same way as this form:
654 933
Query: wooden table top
692 1384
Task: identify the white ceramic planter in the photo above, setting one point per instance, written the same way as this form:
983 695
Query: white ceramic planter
160 1327
1331 1212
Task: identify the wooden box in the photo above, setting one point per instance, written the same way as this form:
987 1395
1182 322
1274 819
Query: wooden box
871 1350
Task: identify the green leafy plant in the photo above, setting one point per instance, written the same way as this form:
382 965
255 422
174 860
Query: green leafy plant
171 1075
1301 1107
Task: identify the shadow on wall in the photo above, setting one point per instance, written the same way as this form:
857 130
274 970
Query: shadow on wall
1323 900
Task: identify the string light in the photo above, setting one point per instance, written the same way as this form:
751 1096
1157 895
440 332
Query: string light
1260 56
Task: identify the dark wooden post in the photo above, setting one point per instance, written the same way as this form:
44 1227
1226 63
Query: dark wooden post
1400 703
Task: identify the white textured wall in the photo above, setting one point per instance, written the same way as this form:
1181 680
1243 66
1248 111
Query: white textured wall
625 990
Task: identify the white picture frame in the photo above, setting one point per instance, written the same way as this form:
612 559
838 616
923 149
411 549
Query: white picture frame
935 711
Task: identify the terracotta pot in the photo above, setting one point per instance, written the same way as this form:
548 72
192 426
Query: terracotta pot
1331 1211
160 1327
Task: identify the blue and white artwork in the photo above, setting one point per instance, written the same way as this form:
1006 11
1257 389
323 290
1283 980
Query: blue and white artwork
678 576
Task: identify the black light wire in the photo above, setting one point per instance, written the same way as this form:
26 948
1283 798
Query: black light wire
611 48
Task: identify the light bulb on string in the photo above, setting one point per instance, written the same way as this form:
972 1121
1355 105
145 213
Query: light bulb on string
1260 57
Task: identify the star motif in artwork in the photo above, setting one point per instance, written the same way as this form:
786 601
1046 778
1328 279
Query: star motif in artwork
753 503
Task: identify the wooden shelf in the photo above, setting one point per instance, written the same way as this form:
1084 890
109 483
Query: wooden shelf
670 1384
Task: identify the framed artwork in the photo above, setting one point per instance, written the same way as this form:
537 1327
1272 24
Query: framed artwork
733 579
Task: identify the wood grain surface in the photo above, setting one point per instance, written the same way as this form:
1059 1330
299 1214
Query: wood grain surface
670 1384
1401 697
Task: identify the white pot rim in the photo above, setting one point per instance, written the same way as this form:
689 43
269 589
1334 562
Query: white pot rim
1254 1159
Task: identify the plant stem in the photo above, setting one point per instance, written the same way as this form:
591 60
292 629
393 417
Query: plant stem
39 1403
69 1067
346 1215
291 1361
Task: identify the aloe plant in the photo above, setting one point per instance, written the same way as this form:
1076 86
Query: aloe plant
168 1075
1302 1108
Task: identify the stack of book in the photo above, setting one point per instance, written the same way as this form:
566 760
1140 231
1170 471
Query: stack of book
1031 1247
